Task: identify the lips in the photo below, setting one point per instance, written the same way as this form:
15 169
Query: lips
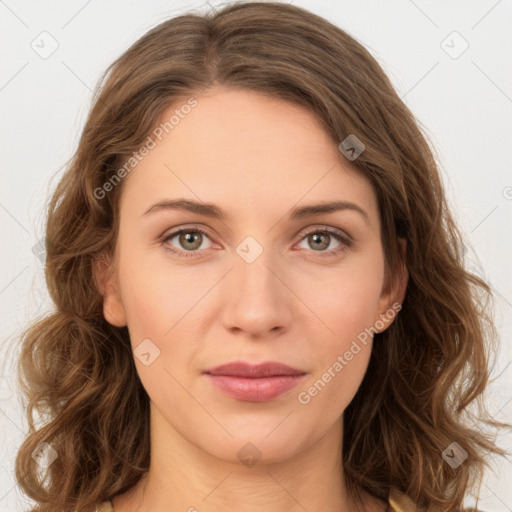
250 371
254 383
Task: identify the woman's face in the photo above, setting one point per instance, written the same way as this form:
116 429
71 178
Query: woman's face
261 284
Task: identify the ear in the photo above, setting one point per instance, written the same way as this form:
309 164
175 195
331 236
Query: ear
107 283
392 295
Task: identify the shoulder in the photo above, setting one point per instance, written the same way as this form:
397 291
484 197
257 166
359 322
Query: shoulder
106 506
400 502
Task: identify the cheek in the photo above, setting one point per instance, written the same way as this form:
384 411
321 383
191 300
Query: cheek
346 302
341 354
345 299
156 294
157 300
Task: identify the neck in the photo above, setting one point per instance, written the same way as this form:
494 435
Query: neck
182 476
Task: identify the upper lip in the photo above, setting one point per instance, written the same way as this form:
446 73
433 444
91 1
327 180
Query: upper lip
248 370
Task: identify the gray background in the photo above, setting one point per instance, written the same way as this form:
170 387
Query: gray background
463 100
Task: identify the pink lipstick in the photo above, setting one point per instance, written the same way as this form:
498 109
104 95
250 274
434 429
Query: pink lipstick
254 383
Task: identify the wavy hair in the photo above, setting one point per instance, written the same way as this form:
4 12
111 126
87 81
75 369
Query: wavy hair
77 371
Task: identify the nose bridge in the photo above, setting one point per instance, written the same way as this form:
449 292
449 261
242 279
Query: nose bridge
252 269
257 299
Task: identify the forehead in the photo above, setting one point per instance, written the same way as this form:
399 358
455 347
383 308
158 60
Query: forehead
245 150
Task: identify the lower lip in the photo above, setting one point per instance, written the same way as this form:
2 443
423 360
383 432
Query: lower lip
255 390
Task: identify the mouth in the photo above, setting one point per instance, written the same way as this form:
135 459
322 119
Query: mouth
254 383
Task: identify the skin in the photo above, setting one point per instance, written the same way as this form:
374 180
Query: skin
255 157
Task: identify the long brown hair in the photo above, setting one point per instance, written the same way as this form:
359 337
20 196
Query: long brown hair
77 370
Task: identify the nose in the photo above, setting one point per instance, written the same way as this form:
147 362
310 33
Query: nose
259 300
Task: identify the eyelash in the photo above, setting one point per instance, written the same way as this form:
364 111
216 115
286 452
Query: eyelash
345 241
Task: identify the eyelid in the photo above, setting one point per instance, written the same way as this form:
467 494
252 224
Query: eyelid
305 231
329 229
186 227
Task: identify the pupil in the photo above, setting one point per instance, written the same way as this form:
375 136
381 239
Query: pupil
189 238
317 238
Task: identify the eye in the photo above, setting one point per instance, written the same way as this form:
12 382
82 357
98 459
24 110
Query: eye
320 239
189 240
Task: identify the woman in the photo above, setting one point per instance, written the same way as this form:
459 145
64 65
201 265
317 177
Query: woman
261 302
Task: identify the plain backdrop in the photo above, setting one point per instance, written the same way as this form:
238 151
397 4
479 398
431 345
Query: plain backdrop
450 62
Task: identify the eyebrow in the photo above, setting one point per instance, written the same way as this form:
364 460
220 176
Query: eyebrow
213 211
